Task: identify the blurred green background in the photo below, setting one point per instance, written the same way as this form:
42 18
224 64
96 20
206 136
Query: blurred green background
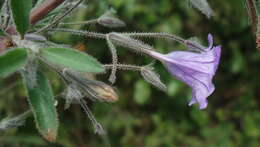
145 116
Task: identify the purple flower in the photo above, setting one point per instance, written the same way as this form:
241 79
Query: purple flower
194 69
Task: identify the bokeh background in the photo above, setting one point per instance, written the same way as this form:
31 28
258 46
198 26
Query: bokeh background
145 116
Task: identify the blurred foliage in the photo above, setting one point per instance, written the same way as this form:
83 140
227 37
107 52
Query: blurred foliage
145 116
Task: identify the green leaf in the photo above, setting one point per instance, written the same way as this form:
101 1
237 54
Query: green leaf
72 59
42 105
21 11
12 60
142 92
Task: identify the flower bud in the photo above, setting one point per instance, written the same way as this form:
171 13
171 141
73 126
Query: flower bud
109 20
151 77
96 90
102 91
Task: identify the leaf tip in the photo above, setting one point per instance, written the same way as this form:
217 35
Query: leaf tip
50 135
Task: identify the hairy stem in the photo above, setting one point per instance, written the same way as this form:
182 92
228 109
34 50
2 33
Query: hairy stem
80 33
98 127
124 67
131 34
93 21
112 48
165 36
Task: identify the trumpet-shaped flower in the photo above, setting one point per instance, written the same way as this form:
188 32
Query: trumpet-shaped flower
194 69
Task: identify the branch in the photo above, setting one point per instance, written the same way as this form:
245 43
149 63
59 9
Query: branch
60 17
40 12
251 10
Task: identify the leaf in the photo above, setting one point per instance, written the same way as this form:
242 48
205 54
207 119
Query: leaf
12 60
42 105
142 92
21 11
203 6
72 59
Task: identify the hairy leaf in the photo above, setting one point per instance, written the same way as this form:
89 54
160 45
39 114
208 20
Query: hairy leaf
203 6
12 60
21 11
42 105
72 59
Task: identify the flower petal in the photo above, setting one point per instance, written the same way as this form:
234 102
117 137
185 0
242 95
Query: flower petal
194 61
217 53
210 40
200 94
